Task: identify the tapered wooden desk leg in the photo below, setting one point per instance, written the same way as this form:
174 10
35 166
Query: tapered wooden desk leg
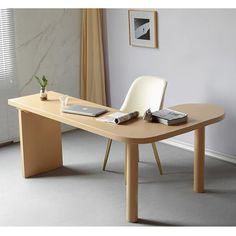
132 183
40 140
199 159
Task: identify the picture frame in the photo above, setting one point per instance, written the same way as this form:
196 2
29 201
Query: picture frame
143 28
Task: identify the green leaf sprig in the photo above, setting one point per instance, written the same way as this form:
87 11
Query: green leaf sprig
43 82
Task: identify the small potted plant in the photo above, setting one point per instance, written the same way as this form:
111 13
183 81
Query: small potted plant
43 82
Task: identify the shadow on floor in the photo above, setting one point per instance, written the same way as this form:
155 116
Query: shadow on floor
227 192
64 171
115 172
155 223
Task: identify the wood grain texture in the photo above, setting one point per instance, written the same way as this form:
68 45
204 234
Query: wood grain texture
199 160
135 131
40 140
132 182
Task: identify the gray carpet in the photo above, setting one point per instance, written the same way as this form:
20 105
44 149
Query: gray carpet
81 194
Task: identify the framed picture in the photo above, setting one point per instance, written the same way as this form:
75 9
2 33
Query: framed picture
143 28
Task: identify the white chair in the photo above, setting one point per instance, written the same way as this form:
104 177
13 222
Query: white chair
145 92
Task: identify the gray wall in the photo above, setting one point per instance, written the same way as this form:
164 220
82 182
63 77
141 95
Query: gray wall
48 43
196 55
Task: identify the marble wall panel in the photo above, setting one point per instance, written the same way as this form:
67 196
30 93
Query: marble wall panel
48 43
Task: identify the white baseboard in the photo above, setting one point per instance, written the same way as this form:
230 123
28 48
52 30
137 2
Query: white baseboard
208 152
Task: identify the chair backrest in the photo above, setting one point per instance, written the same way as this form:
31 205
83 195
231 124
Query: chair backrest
145 92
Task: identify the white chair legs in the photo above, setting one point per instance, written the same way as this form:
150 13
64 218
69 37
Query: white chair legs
108 151
157 157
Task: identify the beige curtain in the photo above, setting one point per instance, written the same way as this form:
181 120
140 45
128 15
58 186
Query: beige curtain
92 76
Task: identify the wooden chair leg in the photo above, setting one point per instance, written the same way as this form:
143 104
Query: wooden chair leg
107 154
157 157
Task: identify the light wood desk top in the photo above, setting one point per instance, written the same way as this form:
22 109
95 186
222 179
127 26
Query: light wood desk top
135 131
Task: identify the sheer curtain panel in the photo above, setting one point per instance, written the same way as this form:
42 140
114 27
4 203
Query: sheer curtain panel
92 76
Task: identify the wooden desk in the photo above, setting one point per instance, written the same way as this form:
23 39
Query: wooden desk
40 137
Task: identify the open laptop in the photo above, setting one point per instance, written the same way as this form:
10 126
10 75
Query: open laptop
84 110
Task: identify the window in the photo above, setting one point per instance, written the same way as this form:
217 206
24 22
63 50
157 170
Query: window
7 46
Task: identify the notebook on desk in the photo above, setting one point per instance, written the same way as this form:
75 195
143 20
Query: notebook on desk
84 110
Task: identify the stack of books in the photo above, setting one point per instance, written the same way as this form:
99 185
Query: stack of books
169 117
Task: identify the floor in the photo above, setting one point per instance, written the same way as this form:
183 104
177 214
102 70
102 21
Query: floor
81 194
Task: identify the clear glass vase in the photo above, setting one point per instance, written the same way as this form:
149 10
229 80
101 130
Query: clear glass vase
43 94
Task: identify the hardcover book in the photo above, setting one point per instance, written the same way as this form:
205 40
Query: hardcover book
169 117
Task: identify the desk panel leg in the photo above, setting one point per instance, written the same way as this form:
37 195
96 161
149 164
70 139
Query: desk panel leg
132 182
40 141
199 159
